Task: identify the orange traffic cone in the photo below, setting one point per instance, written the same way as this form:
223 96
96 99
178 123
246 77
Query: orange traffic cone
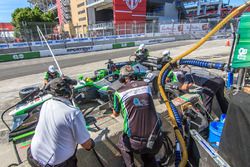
228 42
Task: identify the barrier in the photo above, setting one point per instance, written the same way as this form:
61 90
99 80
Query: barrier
79 49
19 56
123 45
46 53
102 47
155 41
73 40
83 49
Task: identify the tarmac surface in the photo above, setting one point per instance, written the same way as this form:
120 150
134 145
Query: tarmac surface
10 70
18 74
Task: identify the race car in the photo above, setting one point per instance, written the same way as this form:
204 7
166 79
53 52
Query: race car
99 87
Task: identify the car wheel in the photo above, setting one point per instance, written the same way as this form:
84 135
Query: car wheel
28 92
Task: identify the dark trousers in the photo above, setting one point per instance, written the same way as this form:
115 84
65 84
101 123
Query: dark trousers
212 87
130 146
71 162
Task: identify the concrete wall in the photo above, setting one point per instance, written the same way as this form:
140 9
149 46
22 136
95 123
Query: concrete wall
69 45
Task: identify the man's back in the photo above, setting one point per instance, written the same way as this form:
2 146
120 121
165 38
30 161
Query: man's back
58 132
137 107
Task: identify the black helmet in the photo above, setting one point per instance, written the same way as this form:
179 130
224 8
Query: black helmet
61 86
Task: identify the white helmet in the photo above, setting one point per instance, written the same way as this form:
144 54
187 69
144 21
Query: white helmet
51 69
166 53
142 46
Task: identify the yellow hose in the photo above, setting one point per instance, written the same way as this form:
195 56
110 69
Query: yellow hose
196 46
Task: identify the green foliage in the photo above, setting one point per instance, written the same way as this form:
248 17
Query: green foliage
22 16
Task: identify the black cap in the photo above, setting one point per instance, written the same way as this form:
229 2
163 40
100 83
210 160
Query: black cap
60 86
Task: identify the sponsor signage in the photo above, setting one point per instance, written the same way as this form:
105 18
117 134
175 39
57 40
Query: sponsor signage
241 56
184 28
3 46
19 56
79 49
123 45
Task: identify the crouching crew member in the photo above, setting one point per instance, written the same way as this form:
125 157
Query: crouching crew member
141 53
142 127
52 73
60 128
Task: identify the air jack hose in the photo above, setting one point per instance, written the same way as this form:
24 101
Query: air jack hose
176 115
201 63
237 11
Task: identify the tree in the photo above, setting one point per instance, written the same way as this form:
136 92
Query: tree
22 17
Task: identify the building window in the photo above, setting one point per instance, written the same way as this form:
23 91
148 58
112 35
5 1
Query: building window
81 12
80 4
82 19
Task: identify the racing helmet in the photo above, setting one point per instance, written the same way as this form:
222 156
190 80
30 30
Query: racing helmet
52 69
166 56
61 86
166 53
142 47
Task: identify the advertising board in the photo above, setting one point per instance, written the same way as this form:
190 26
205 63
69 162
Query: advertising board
184 28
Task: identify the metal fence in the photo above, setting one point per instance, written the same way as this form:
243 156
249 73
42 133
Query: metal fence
196 28
109 28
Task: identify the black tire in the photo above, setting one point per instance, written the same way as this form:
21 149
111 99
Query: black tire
29 91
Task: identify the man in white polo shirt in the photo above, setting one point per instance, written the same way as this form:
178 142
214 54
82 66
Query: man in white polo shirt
60 128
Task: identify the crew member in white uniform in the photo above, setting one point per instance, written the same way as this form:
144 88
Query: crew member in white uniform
60 128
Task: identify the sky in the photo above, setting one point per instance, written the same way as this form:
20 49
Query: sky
8 6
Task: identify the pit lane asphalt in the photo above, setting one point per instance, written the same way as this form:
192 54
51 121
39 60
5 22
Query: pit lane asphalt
20 68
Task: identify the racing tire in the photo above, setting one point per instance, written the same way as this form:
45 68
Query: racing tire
29 92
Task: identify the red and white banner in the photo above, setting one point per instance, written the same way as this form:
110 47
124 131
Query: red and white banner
129 12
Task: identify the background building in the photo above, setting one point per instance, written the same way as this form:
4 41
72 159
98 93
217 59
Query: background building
6 32
79 17
45 5
203 9
126 16
64 17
